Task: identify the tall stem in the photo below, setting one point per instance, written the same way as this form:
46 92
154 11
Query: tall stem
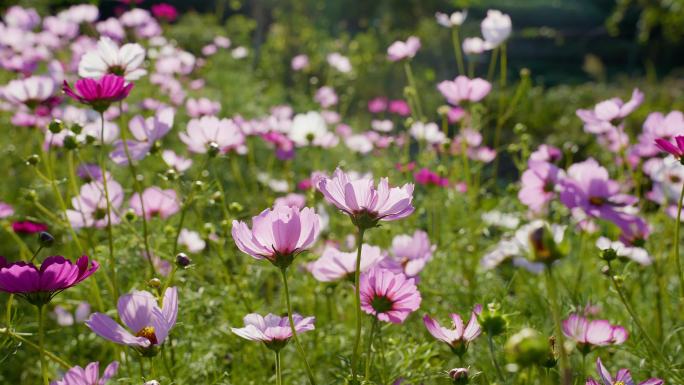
414 89
552 293
369 351
675 255
41 344
103 168
457 49
357 306
279 369
309 373
490 342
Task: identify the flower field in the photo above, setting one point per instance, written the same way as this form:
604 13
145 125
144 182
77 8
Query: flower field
184 206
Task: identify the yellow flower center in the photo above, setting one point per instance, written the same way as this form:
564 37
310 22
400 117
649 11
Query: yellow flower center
620 383
148 332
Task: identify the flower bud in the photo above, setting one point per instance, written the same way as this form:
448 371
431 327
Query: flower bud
45 239
70 142
33 160
235 207
171 174
154 283
491 320
459 375
76 128
182 260
608 254
213 149
216 196
56 126
198 185
31 196
527 347
130 215
443 110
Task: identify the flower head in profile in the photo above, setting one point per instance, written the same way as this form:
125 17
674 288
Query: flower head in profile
365 203
456 19
34 92
149 324
475 46
164 12
99 93
28 227
39 285
460 335
676 149
334 265
90 375
274 331
609 112
464 89
623 377
387 296
155 202
278 234
590 333
496 27
146 134
108 58
400 50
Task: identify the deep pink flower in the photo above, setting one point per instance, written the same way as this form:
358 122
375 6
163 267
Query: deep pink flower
90 375
141 313
426 177
399 107
400 50
99 93
157 202
388 296
462 88
460 335
278 234
623 377
538 185
377 105
28 227
676 149
274 331
165 12
363 202
40 285
588 333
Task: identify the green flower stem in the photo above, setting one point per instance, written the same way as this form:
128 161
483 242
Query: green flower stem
369 351
309 373
357 306
492 355
414 89
278 368
110 237
552 293
457 49
492 64
41 343
48 354
676 259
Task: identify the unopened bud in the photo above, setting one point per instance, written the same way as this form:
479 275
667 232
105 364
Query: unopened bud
130 215
459 375
491 320
443 110
608 254
213 149
76 128
198 185
182 260
46 239
33 160
70 142
171 174
56 126
235 207
154 283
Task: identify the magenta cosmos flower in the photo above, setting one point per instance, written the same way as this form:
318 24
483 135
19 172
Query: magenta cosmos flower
334 265
676 149
464 89
88 376
539 184
140 312
623 377
588 333
28 227
99 93
400 50
363 202
278 234
388 296
157 203
460 335
272 330
40 285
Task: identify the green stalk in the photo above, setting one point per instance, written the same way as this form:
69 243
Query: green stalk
279 370
41 344
309 373
357 306
457 49
675 254
110 237
490 342
369 351
414 89
492 64
552 293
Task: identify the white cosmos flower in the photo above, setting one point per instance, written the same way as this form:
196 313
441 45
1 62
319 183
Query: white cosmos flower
308 128
455 19
496 27
124 61
429 132
34 89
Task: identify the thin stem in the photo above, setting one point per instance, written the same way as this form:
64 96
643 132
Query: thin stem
279 370
357 305
41 344
110 237
369 351
414 89
552 293
492 64
309 373
492 355
675 254
457 49
48 354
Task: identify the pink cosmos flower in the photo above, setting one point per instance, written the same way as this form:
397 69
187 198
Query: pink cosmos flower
676 149
538 185
272 330
99 93
460 335
462 88
6 210
426 177
192 240
658 125
410 253
165 12
339 62
146 132
623 377
278 234
546 153
40 285
157 202
496 27
299 62
608 112
400 50
326 97
176 161
141 313
88 376
377 105
388 296
90 206
399 107
200 107
22 18
209 131
475 45
335 265
587 333
28 227
363 202
65 318
291 200
35 92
